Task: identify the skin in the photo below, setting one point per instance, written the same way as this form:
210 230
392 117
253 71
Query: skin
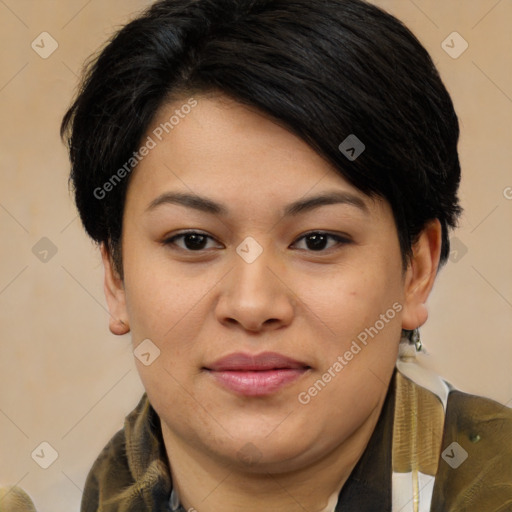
198 306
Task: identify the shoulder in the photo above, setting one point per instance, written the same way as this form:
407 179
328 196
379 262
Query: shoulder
131 473
470 438
111 469
475 466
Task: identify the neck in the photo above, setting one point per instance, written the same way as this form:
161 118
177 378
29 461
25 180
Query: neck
209 484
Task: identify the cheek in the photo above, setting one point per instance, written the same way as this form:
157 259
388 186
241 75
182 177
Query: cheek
161 298
356 351
349 300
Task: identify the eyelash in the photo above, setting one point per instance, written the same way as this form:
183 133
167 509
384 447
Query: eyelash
341 240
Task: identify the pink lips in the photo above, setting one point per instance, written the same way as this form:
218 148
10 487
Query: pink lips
256 375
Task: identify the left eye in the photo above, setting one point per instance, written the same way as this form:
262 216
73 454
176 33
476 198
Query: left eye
317 241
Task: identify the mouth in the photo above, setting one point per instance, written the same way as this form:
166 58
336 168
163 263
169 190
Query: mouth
256 375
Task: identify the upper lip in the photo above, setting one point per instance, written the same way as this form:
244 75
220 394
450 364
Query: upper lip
259 362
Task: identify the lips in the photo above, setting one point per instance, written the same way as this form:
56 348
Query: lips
259 362
256 375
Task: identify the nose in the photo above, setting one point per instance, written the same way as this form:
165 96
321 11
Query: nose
255 297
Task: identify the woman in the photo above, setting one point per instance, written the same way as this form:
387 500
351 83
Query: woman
272 185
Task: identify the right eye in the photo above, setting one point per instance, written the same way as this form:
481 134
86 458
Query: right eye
192 241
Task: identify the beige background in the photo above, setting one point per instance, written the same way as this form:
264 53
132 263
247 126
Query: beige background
65 379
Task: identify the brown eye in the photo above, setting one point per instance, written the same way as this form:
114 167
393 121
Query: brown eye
192 241
318 241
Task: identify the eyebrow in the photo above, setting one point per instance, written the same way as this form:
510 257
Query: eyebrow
297 207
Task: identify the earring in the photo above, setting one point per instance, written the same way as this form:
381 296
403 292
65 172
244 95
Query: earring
415 339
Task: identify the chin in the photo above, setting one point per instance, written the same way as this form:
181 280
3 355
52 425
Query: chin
258 452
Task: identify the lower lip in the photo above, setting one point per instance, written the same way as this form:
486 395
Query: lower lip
257 383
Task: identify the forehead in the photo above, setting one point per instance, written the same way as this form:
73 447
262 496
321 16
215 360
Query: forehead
213 146
220 133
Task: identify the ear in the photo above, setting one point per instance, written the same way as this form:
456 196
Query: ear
421 274
115 295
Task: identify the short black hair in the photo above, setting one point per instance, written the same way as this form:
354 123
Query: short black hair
323 69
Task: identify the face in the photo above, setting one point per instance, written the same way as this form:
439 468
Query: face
272 289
